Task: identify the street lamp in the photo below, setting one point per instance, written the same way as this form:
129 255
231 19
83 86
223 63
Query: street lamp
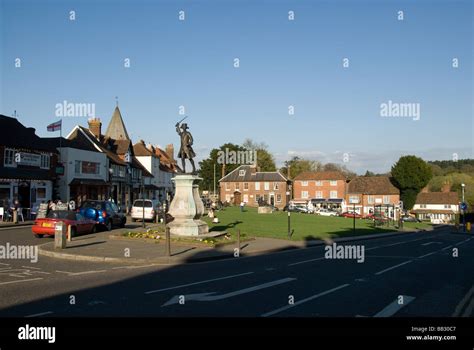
111 173
143 202
463 210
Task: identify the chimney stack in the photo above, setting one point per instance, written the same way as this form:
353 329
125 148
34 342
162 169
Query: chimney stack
95 127
170 151
446 187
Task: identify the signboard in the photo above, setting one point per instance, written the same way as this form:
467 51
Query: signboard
42 211
62 206
90 167
72 205
60 169
378 200
463 206
28 159
353 200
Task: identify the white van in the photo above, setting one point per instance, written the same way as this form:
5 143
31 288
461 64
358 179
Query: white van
151 209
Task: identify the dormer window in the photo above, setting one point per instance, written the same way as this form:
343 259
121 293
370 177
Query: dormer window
241 172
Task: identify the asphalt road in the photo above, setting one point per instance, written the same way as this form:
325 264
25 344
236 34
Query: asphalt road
407 275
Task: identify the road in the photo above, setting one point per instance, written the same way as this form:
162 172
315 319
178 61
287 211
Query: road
407 275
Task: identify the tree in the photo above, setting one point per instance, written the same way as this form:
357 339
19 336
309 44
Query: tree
265 160
206 166
369 174
340 168
411 174
298 165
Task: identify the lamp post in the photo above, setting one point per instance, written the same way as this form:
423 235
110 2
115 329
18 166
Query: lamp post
463 210
143 202
111 173
288 198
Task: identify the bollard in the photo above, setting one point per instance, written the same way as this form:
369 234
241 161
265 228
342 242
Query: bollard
15 216
60 235
468 227
238 240
168 241
69 233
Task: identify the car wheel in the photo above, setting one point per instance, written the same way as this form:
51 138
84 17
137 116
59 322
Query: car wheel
109 225
123 222
94 229
38 235
73 232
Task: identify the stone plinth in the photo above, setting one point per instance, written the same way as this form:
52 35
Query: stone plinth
265 210
187 207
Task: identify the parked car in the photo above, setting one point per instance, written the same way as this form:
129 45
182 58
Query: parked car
79 224
296 209
327 212
351 214
104 213
152 208
409 218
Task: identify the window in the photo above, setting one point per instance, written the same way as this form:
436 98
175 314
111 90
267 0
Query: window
276 186
333 194
227 197
241 172
422 205
278 198
237 186
257 186
227 186
45 161
319 183
246 198
266 186
89 167
304 183
77 167
447 206
246 186
9 159
333 182
370 199
386 199
319 194
304 194
41 193
257 198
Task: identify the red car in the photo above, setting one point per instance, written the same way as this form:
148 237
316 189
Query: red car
78 223
375 217
349 214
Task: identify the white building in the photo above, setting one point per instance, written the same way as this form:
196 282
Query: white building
438 207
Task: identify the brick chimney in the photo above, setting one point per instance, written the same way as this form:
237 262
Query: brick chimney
446 187
170 151
95 127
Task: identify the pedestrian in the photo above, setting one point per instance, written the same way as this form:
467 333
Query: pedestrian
242 205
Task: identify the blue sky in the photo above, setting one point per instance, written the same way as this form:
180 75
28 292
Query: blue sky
282 63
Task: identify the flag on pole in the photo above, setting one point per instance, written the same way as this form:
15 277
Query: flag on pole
55 126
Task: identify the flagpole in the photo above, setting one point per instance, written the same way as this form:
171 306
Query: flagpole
60 137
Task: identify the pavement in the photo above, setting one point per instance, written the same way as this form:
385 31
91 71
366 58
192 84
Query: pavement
106 247
425 274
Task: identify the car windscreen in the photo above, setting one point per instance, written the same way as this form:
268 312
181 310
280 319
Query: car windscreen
61 214
139 203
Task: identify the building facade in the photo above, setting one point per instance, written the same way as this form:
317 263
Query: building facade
373 194
246 184
438 207
28 165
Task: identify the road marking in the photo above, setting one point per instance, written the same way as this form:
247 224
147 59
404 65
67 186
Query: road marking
428 243
195 283
132 267
286 307
81 273
390 256
209 297
4 264
19 281
393 267
449 246
463 302
459 243
469 309
40 314
377 247
424 256
392 308
305 261
30 267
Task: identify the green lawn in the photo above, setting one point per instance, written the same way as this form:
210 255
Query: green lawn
305 226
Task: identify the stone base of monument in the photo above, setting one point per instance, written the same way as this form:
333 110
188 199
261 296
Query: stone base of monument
187 207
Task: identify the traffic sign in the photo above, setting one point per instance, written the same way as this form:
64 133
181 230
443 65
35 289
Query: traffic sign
463 206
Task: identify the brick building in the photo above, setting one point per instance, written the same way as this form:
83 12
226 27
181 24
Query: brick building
249 185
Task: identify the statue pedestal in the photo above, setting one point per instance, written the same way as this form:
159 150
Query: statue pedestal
187 207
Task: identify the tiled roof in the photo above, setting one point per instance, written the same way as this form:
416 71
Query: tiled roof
320 175
116 129
437 198
14 134
250 175
372 185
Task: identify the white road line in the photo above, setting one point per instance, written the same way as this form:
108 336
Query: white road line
390 256
463 302
449 246
40 314
286 307
86 272
305 261
428 243
4 264
132 267
30 267
31 279
459 243
195 283
377 247
393 267
392 308
424 256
